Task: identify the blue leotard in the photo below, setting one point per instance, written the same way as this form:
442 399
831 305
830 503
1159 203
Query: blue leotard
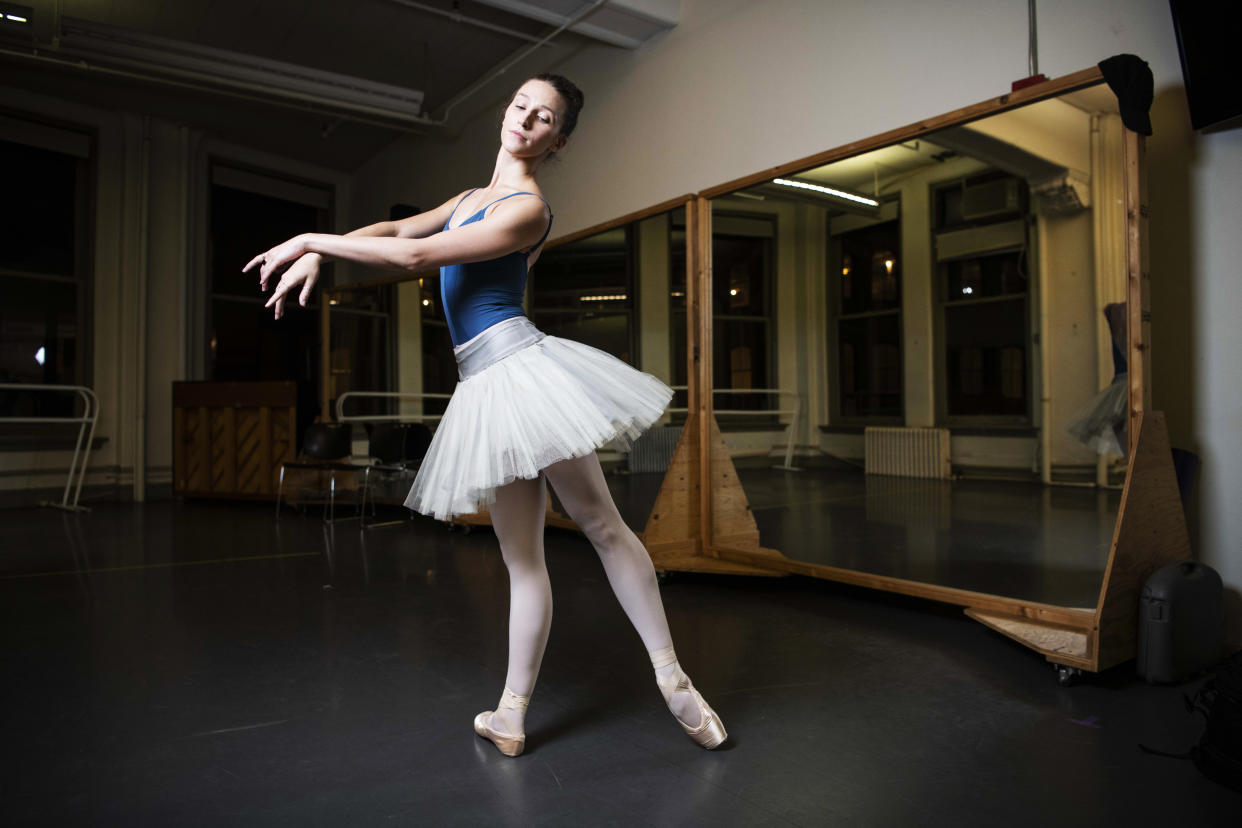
476 296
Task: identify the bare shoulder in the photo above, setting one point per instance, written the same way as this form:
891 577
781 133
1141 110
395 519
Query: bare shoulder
522 205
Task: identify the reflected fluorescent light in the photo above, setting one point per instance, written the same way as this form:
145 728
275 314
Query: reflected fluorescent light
17 19
426 302
677 293
40 355
802 185
845 271
733 291
968 290
888 265
605 297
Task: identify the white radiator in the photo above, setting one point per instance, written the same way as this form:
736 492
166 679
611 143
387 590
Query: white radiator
907 452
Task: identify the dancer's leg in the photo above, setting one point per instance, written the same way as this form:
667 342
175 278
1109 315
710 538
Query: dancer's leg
518 518
580 485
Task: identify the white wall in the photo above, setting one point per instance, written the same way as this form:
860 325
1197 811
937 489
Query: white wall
738 86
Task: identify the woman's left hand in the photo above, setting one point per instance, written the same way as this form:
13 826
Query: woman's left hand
276 258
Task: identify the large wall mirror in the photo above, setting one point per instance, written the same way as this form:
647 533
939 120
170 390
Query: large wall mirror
958 282
940 321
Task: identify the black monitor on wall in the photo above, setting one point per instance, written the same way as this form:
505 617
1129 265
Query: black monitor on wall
1207 44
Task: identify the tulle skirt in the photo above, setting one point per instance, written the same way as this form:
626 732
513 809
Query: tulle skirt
526 400
1100 423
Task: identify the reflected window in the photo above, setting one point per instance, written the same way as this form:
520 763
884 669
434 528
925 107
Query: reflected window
361 348
439 364
865 299
45 270
982 266
743 265
585 291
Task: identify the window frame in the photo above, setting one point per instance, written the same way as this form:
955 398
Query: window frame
998 424
832 388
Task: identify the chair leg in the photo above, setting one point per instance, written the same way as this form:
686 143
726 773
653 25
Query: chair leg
280 490
332 496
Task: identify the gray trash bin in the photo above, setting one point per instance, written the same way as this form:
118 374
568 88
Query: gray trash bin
1179 622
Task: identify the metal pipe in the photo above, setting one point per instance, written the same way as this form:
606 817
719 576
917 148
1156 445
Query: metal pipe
140 346
457 17
488 77
1033 57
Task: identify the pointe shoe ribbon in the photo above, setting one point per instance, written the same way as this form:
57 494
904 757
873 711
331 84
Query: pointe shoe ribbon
710 732
506 743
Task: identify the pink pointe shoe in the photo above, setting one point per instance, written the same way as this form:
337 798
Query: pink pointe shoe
506 743
710 732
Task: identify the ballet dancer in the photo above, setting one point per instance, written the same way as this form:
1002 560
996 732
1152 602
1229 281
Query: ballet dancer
527 406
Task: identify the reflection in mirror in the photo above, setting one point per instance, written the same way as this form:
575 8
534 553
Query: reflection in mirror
616 290
359 346
962 284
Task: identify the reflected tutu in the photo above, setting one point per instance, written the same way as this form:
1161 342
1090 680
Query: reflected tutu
526 400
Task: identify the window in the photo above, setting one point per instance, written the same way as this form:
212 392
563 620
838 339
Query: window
44 266
865 300
584 290
742 334
249 213
982 267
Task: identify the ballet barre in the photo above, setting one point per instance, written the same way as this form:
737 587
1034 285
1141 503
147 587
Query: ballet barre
796 411
342 417
90 417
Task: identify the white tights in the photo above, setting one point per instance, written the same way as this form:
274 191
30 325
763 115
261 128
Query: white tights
518 519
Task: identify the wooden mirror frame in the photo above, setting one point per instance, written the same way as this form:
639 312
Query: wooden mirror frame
702 521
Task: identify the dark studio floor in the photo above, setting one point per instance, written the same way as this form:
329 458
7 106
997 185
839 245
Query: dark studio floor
198 663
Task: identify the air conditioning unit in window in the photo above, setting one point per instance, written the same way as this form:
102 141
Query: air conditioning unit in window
992 198
1061 195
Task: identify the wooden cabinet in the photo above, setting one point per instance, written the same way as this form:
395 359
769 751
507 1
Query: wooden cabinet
229 438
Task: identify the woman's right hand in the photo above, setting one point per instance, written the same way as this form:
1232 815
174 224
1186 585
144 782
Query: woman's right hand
304 271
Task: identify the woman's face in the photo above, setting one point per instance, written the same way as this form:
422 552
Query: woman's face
532 123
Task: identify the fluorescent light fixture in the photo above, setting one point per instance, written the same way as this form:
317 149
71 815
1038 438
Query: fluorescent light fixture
163 58
803 185
606 297
15 18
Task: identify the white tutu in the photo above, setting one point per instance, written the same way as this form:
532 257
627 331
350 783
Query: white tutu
1098 423
540 400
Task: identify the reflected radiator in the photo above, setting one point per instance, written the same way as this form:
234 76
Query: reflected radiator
653 450
907 452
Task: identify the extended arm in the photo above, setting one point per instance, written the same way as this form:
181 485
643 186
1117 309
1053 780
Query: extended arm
517 224
304 266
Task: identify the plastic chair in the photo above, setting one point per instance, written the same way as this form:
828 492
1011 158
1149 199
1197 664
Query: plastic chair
324 447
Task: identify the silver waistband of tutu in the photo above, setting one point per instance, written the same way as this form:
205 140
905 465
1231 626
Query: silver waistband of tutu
495 343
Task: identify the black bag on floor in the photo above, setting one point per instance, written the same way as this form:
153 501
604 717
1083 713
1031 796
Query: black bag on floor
1218 756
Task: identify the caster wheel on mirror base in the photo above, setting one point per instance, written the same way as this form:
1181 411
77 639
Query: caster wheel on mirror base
1067 676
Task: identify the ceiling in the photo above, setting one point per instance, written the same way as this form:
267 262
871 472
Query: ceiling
439 47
